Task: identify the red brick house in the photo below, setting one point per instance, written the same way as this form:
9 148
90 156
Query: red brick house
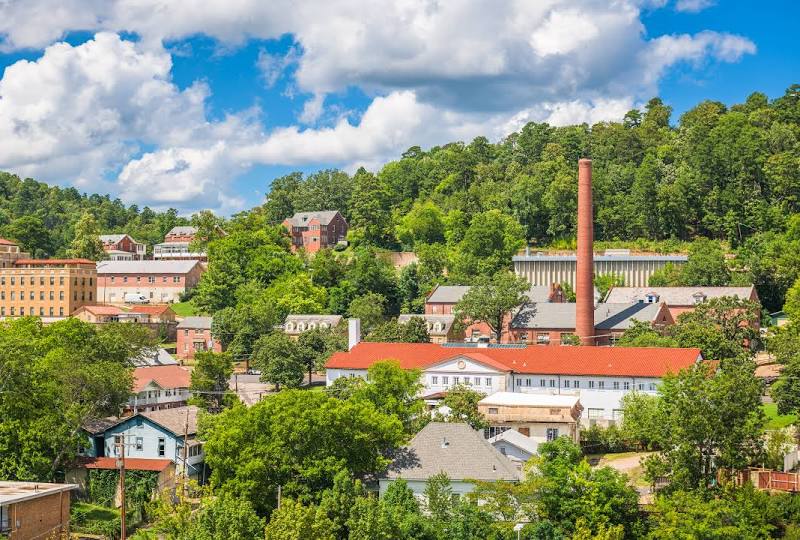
194 334
122 247
316 230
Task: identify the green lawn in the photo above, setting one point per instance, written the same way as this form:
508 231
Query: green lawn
184 309
775 420
92 512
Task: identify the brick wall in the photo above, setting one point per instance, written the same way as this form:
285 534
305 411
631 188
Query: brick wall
41 518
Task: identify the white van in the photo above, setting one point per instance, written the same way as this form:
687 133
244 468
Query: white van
136 298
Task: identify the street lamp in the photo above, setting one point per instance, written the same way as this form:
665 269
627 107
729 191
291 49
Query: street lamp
518 528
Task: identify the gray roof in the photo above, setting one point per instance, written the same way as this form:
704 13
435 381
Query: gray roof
159 358
606 316
145 267
675 296
603 258
452 448
175 419
111 238
515 438
445 322
324 217
100 425
182 230
329 321
451 294
202 323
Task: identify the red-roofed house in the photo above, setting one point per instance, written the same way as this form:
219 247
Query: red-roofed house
159 313
600 376
159 387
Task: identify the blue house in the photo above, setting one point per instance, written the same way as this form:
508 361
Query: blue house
152 435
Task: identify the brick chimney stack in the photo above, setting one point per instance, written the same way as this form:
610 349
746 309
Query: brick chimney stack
584 286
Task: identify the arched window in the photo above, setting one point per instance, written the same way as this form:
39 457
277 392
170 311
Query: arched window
312 325
289 327
301 327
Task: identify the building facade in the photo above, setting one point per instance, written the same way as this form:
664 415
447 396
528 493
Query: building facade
47 287
122 247
313 231
34 510
541 417
194 335
294 325
176 245
543 269
159 387
158 281
598 376
10 252
680 299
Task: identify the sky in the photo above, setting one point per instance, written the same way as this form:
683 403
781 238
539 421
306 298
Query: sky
199 104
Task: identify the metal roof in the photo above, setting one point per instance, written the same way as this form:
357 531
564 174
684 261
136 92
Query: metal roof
562 316
602 258
452 294
675 296
201 323
182 230
145 267
452 448
17 492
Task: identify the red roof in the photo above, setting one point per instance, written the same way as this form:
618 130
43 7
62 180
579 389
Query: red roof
45 262
538 359
102 310
164 376
152 310
134 464
4 242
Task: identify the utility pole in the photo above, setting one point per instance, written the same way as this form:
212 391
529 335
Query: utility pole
185 455
120 446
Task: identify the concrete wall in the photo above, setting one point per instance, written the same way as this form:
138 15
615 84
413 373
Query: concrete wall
545 270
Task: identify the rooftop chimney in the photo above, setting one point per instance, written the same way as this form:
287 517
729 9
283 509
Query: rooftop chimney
584 288
353 333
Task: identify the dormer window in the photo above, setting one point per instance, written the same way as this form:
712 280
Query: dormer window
289 327
301 327
651 298
699 297
312 326
437 327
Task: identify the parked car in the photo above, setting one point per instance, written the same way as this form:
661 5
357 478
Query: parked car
136 298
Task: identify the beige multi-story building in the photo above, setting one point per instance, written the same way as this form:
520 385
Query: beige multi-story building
544 269
47 287
10 252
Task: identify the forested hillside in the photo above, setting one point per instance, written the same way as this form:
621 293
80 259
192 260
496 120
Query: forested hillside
43 218
721 172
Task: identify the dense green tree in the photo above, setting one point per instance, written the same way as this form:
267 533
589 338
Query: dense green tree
424 224
490 299
315 346
210 381
488 245
394 391
338 502
54 379
209 228
413 331
298 440
86 242
642 334
225 516
370 308
31 234
277 356
463 404
295 521
722 328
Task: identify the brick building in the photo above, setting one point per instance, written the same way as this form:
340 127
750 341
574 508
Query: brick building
34 510
194 334
47 287
158 281
10 252
313 231
122 247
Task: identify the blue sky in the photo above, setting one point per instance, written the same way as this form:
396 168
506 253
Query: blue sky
166 105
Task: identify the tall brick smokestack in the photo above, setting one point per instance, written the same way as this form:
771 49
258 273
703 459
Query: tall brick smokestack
584 286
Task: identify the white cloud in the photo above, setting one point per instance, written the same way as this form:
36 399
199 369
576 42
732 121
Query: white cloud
693 6
435 71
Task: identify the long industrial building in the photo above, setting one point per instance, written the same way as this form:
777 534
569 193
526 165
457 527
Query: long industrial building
545 269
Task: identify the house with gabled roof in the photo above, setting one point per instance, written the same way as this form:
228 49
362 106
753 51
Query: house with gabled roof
313 231
598 376
679 299
451 448
122 247
159 387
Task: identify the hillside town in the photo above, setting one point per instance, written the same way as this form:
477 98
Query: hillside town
398 272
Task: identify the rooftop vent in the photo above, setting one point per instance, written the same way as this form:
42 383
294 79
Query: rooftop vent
445 442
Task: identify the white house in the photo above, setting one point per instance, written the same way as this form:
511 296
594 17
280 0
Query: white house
598 376
159 387
452 448
514 445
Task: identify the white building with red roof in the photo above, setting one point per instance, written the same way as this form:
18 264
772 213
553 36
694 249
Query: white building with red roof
599 376
159 387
